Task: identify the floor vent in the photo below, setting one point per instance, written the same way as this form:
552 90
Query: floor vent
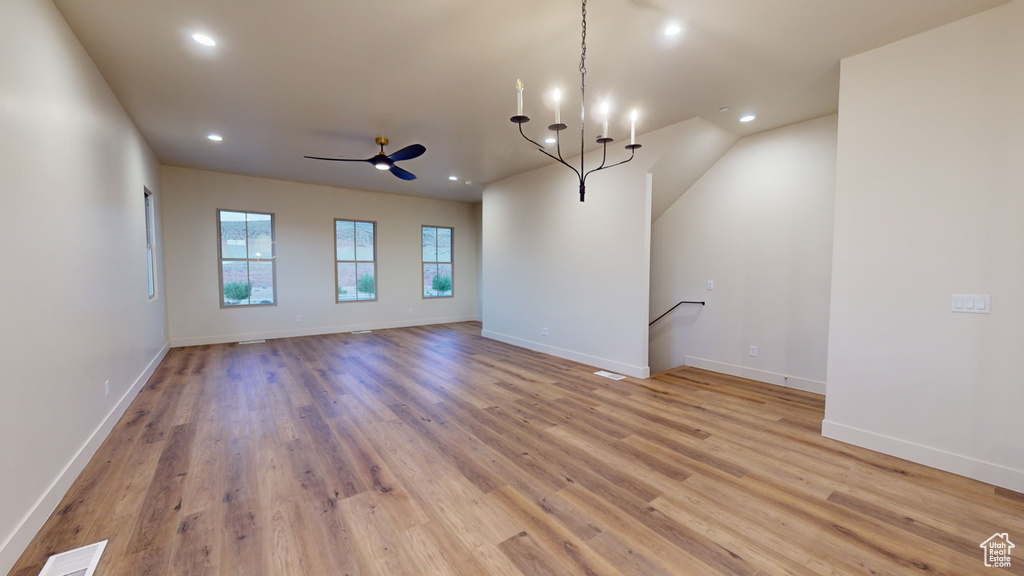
79 562
362 331
610 375
251 342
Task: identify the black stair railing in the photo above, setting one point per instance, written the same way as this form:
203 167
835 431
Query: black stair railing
673 308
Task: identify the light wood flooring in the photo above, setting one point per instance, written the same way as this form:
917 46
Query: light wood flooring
431 450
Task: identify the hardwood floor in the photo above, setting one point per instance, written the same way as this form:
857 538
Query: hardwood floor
434 451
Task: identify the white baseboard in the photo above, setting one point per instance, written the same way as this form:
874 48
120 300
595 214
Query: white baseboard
269 335
989 472
603 363
30 525
760 375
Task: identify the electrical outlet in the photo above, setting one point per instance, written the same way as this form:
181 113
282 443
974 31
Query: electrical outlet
410 310
161 333
543 331
298 318
106 389
753 351
711 284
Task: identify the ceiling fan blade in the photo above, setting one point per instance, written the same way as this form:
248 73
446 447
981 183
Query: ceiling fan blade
408 153
339 159
403 174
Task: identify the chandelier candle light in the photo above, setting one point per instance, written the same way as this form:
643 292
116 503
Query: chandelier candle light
557 127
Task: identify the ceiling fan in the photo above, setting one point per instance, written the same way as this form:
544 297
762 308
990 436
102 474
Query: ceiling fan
382 162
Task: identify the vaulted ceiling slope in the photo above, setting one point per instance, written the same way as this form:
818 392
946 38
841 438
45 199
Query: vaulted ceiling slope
324 78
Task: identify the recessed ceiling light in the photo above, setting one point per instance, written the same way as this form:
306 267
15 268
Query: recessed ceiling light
747 118
550 141
469 182
453 178
672 30
724 109
204 39
215 137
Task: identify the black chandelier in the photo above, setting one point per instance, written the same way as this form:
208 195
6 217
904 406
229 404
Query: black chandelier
557 127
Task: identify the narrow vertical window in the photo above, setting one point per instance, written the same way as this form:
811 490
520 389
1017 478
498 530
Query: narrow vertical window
150 242
355 255
438 262
247 265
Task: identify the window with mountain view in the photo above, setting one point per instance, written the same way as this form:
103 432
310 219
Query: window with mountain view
438 262
150 241
355 254
246 251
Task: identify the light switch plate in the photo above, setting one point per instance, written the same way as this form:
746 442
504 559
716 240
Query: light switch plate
971 303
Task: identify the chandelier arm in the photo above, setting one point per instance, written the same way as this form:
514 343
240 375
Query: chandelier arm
558 148
632 153
541 149
604 159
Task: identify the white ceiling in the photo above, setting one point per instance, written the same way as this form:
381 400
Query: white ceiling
325 77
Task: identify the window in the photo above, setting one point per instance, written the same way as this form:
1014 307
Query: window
437 262
246 250
150 241
355 254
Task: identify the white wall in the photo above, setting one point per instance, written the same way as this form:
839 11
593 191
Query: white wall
578 269
758 224
304 227
930 202
697 146
581 270
478 218
76 310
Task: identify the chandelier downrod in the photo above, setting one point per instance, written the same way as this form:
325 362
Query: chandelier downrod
558 127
